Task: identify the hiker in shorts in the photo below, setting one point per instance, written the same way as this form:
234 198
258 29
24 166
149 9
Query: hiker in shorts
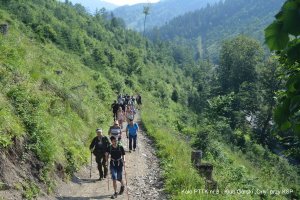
116 131
129 113
131 133
98 147
117 160
121 117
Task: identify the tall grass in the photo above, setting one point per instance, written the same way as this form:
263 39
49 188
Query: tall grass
237 177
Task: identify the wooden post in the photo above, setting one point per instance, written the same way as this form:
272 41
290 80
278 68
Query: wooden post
4 28
206 170
196 157
211 185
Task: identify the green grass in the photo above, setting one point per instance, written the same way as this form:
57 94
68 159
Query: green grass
57 116
30 190
233 170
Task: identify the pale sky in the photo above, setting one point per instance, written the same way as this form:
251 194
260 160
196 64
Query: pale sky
130 2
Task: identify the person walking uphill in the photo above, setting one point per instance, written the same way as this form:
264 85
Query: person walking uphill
117 161
139 101
115 107
116 131
132 129
98 146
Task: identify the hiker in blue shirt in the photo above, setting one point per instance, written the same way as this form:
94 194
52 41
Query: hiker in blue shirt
131 130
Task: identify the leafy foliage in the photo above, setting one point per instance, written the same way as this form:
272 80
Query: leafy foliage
213 24
284 40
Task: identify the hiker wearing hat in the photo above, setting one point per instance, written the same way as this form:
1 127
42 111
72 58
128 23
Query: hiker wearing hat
117 161
115 131
98 146
131 130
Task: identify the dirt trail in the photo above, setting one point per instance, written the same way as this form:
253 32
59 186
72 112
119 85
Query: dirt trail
142 170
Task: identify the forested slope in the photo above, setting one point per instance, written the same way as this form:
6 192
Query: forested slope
60 69
159 13
205 29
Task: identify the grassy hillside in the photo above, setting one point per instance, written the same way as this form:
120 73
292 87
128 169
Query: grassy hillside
255 173
60 69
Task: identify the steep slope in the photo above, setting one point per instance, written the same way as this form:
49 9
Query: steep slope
60 69
207 28
160 12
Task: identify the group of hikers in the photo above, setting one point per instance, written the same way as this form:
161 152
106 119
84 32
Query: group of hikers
124 109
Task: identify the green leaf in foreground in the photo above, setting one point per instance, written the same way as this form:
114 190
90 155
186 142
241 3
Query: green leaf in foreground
276 37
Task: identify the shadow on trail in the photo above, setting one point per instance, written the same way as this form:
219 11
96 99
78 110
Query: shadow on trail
88 180
83 180
84 198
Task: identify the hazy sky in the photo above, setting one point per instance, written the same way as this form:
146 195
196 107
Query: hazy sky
129 2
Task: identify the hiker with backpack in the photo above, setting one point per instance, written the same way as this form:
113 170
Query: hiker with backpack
133 100
127 99
131 133
116 153
120 99
130 101
98 147
115 106
115 130
139 101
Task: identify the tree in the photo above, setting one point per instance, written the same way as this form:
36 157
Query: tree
282 36
146 12
238 60
268 85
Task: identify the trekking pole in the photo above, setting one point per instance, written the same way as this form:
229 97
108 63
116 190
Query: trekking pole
108 183
107 176
126 181
137 145
128 142
91 165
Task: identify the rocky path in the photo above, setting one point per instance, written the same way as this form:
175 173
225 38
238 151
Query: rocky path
143 177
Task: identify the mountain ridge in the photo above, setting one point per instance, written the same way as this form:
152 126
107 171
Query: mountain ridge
214 24
160 12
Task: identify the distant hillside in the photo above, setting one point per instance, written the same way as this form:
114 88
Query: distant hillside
208 27
160 12
92 5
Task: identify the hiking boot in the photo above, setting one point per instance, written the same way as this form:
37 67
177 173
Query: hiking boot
129 151
121 189
115 195
100 179
133 149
